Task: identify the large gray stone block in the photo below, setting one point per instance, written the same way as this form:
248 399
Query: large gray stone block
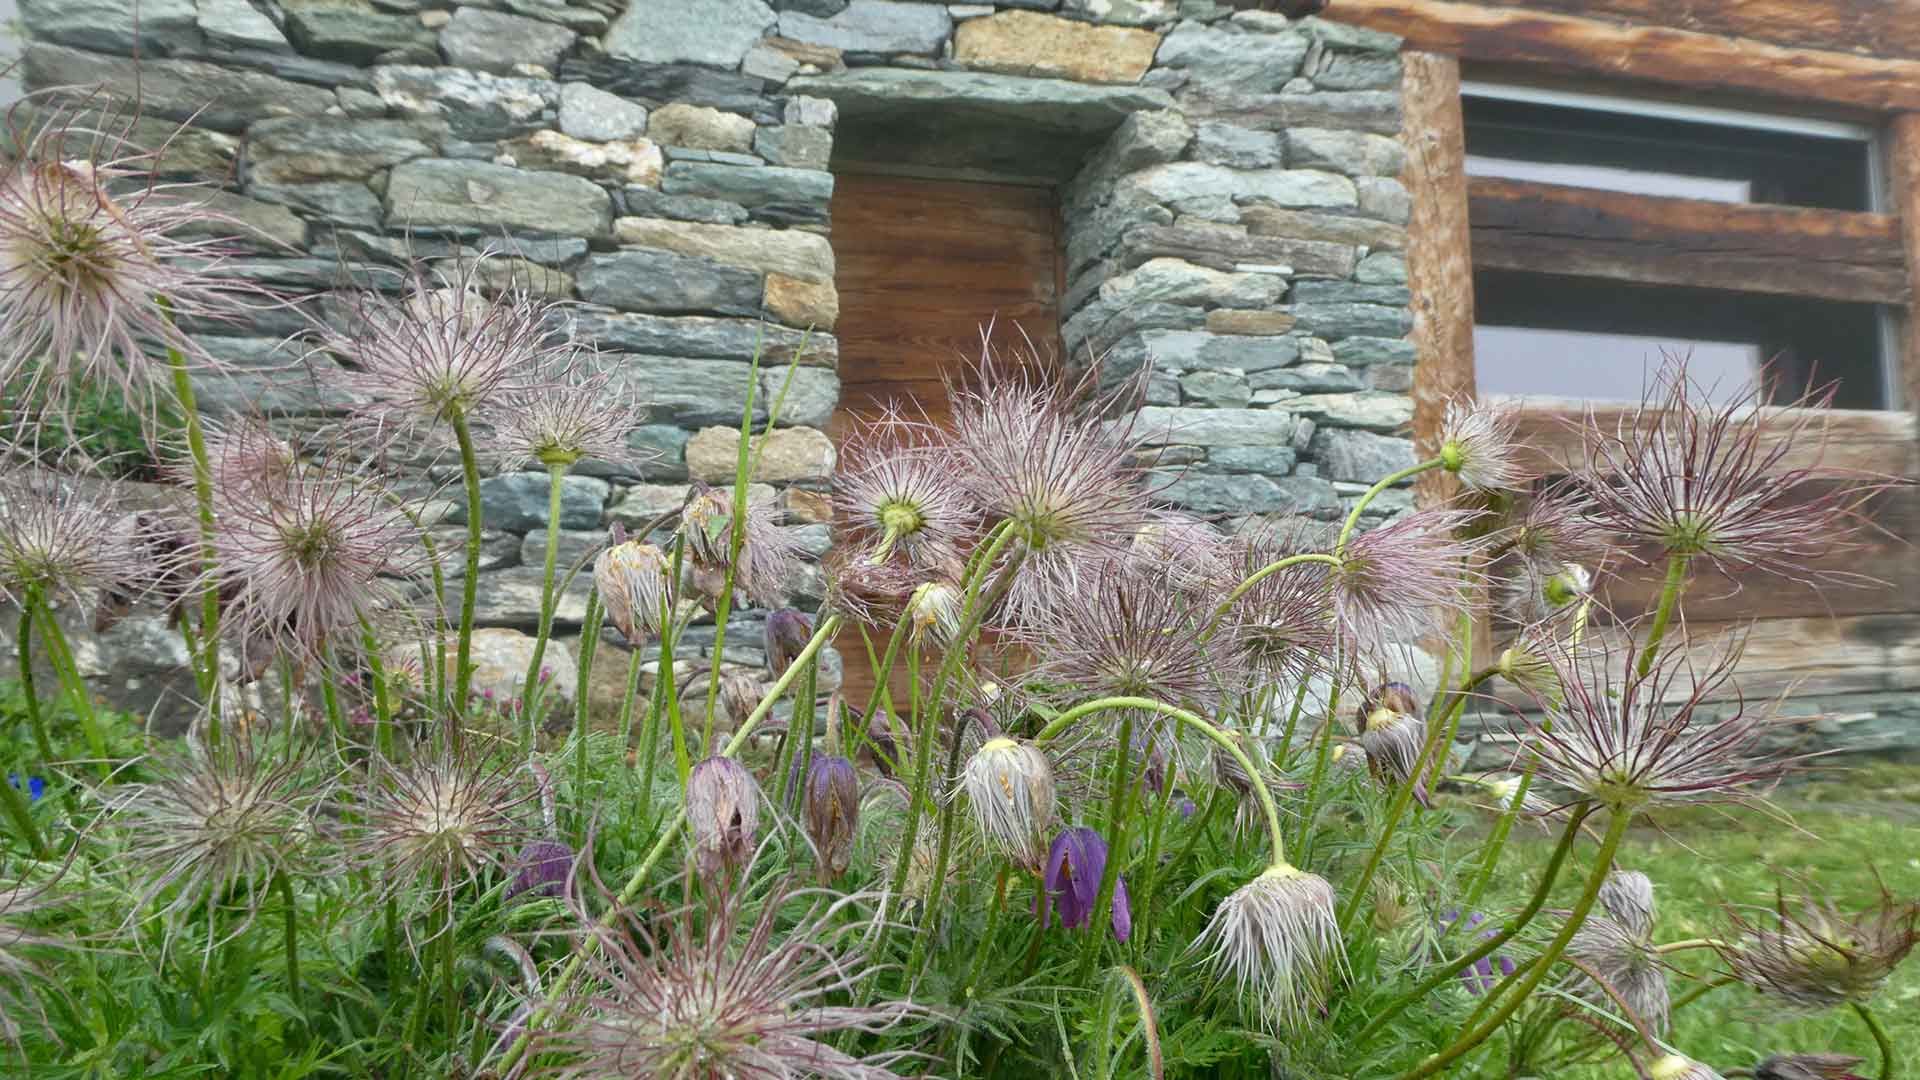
482 196
154 27
1217 427
495 41
476 105
1359 456
1227 56
352 31
873 26
749 185
516 502
300 149
716 33
662 282
221 98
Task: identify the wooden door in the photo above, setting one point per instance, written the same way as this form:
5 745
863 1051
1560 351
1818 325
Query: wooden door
925 269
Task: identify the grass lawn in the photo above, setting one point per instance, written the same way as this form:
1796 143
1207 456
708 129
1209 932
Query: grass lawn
1836 831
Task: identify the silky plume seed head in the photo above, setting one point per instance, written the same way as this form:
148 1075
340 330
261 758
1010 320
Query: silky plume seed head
1009 784
1478 444
1808 954
1277 940
1808 1067
723 813
898 495
1402 581
1616 944
832 807
1680 1067
572 410
1121 631
1393 732
59 543
768 555
442 820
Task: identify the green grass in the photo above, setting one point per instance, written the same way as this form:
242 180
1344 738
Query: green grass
1836 832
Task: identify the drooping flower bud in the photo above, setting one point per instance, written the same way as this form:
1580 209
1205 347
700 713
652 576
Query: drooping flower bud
1009 784
632 578
1627 895
1075 864
542 870
832 812
936 610
1394 734
786 634
1810 955
740 694
723 811
885 749
1808 1067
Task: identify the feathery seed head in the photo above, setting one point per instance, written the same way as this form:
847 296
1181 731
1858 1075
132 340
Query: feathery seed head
1810 955
899 494
445 349
1615 944
722 994
574 410
768 553
1393 732
1009 784
937 608
1627 895
444 818
57 542
1193 555
1677 1067
1128 633
1477 444
88 241
1278 940
1402 581
723 812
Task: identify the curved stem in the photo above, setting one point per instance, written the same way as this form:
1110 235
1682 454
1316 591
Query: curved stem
1669 601
1490 860
75 687
35 719
470 580
1603 862
1700 991
1689 943
555 475
1219 738
589 645
638 878
1261 575
291 930
1353 516
1889 1068
1488 945
203 498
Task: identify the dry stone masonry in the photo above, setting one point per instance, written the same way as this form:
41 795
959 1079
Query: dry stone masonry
1227 180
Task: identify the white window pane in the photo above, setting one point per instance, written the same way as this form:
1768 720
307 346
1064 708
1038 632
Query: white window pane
1631 181
1517 361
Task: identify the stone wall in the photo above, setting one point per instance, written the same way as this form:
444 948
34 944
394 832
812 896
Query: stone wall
1226 180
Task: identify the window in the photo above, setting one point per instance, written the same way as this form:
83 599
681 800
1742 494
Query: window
1610 233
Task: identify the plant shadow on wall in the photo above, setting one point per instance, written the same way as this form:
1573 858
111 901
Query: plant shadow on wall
1199 828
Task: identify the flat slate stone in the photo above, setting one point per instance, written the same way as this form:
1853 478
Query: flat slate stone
748 185
663 282
717 33
298 149
1054 103
700 336
155 27
516 502
663 84
221 98
495 41
488 197
237 24
873 26
588 112
352 30
476 105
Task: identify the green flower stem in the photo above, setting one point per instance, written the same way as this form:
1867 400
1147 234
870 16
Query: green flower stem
1119 808
650 738
801 724
589 645
1490 860
1889 1066
382 700
35 719
1261 575
1487 945
1353 516
291 929
15 805
638 878
75 688
209 658
1267 807
949 812
664 677
1543 966
330 702
1701 991
470 580
449 997
556 476
1676 583
1156 833
917 793
1322 758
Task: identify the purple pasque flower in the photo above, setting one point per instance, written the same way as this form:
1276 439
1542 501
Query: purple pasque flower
723 813
832 812
1719 483
1480 976
1075 864
542 869
88 240
784 635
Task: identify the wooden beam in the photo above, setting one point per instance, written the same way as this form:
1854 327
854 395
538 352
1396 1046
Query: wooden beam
1889 28
1786 250
1882 443
1439 256
1681 58
1903 161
